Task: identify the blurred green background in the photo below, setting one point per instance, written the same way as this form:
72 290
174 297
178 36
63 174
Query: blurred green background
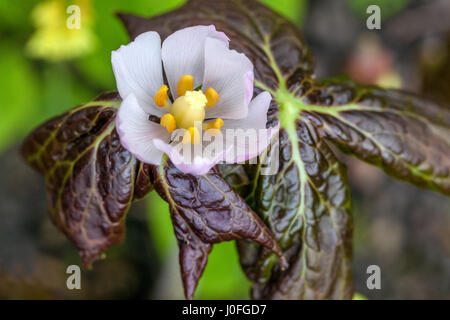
47 69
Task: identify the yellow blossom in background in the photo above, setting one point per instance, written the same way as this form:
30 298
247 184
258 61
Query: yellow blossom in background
359 296
390 80
53 39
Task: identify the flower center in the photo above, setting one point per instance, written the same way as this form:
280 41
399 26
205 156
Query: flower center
188 110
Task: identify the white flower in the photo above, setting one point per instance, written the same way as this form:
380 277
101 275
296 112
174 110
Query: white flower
211 88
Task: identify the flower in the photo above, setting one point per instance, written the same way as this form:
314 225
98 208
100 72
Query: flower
208 93
53 40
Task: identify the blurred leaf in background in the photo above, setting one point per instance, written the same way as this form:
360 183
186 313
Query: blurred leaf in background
294 10
18 94
112 34
160 225
223 277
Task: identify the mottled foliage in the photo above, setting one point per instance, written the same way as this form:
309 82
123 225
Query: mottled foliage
89 175
302 210
206 210
405 135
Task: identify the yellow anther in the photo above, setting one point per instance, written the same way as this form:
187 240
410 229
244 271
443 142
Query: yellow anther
191 136
161 97
212 96
186 83
213 128
216 124
168 122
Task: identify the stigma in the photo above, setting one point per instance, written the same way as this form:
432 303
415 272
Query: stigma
188 110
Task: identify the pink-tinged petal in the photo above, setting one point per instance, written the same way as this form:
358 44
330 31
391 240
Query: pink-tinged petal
244 150
252 137
229 73
249 78
138 69
257 114
137 132
183 52
197 163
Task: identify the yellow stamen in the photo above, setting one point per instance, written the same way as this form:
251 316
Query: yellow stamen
168 122
186 83
191 136
161 97
213 128
188 110
212 96
216 124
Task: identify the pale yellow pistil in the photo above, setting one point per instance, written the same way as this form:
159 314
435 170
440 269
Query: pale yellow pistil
188 110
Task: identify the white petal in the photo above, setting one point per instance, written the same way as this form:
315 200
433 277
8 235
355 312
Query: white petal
254 138
257 114
250 146
183 52
138 69
137 132
198 159
197 164
231 74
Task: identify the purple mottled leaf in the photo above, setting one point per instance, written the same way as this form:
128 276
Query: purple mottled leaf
306 205
405 135
205 210
89 175
144 183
